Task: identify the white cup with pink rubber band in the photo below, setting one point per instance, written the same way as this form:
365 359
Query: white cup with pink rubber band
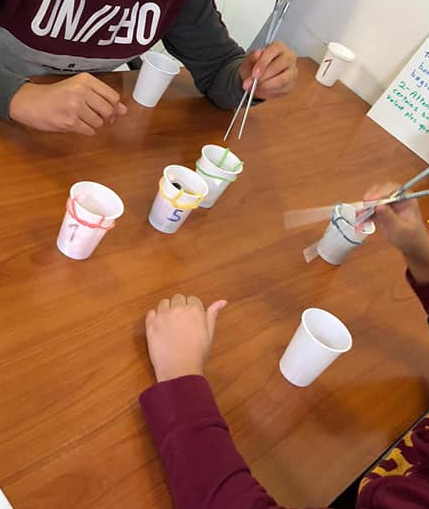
91 212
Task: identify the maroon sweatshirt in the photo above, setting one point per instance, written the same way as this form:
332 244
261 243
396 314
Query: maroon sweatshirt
205 470
72 36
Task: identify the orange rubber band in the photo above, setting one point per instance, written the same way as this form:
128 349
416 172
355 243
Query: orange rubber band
71 209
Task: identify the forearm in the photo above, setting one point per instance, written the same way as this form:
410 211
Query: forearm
418 264
204 469
201 41
9 84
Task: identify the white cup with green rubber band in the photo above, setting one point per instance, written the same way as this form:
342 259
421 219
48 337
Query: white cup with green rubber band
219 167
181 191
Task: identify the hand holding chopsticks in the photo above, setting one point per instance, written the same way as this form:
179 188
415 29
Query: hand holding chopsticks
280 10
368 208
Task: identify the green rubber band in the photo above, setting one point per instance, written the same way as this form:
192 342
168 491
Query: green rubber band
213 176
237 166
222 161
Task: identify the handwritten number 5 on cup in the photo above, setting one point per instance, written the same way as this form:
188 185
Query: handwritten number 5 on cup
176 216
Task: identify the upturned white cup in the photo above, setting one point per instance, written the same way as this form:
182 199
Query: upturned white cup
181 190
341 236
334 63
219 167
155 76
319 341
91 211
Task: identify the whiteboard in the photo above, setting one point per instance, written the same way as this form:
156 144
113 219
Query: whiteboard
403 109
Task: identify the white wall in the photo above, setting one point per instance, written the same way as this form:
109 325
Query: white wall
383 33
245 18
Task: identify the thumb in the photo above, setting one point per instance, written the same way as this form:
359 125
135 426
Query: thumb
248 66
121 109
386 217
212 314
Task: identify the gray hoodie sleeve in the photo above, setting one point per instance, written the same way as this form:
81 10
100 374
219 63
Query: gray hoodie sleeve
9 84
201 41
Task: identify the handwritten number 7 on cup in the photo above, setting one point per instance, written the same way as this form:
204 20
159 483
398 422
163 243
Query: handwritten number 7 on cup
329 62
176 216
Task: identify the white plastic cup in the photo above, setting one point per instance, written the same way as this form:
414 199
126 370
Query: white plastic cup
219 167
334 64
319 341
91 211
155 76
4 502
341 236
174 203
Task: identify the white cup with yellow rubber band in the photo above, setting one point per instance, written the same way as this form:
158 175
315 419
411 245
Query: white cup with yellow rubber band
181 190
219 167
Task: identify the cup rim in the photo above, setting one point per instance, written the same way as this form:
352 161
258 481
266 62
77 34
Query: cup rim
163 57
371 225
181 168
337 320
227 172
108 189
341 52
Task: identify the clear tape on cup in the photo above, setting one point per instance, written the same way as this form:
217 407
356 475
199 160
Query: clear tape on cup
173 204
219 167
319 340
91 211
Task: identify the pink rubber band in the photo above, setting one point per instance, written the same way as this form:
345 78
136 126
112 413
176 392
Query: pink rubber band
71 209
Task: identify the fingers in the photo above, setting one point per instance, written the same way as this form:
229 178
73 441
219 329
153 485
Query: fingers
275 51
102 89
278 86
195 302
164 306
150 316
91 118
178 300
247 68
378 191
100 106
121 109
212 314
80 127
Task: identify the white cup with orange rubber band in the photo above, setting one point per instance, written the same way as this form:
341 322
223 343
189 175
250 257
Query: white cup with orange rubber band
91 212
181 191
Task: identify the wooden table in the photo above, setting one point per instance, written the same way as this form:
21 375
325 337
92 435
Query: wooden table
73 358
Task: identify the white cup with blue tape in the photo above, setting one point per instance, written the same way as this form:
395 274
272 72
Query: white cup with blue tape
343 235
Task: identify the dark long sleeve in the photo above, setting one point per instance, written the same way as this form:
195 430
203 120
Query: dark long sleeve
9 84
201 41
422 291
204 469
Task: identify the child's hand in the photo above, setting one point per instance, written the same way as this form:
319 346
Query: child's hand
81 104
403 227
179 335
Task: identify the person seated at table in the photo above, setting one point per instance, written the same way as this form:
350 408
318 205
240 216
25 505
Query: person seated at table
204 469
79 37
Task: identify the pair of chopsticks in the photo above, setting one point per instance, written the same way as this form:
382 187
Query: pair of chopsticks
365 210
280 9
368 208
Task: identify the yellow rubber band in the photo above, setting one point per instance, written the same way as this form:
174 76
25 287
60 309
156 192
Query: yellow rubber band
176 204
